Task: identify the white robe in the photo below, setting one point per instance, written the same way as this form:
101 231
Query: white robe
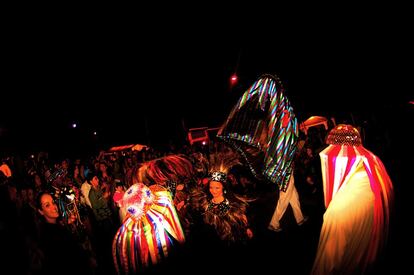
347 227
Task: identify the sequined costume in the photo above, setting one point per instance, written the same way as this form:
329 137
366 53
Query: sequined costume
150 230
263 129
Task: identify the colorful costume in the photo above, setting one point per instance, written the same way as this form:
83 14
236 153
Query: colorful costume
264 130
150 230
228 217
358 195
289 197
176 174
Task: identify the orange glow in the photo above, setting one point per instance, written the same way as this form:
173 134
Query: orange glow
313 121
198 135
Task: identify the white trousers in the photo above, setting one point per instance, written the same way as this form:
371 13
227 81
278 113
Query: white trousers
285 198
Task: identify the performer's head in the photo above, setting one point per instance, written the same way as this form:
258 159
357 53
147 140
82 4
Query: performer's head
175 168
217 184
341 158
137 200
344 134
173 172
219 167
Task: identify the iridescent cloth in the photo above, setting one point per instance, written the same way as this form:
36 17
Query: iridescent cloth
264 129
150 230
358 196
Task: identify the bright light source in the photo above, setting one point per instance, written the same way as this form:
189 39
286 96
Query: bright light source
95 133
204 143
233 79
74 125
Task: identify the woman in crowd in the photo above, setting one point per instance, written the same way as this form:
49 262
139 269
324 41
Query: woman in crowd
61 252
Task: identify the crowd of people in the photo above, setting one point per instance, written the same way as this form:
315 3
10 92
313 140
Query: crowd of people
67 212
204 207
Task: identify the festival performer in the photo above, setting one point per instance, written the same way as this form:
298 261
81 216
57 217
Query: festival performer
176 173
219 207
149 231
358 195
263 128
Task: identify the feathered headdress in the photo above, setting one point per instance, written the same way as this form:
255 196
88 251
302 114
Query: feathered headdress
220 163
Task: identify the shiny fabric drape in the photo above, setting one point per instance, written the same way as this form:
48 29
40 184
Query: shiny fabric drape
262 125
147 240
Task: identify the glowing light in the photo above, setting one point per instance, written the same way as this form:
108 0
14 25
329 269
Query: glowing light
74 125
233 79
71 197
95 133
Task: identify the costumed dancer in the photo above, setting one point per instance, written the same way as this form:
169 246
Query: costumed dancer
358 195
177 174
174 172
221 210
149 231
263 128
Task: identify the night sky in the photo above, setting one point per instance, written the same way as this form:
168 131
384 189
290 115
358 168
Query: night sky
147 86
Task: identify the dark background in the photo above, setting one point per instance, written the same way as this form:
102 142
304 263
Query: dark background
149 80
149 76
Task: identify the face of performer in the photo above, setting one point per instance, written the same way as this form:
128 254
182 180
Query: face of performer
216 189
48 208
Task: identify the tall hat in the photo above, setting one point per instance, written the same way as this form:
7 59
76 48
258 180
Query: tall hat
264 130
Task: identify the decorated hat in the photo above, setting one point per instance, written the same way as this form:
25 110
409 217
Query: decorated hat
137 200
220 164
344 134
